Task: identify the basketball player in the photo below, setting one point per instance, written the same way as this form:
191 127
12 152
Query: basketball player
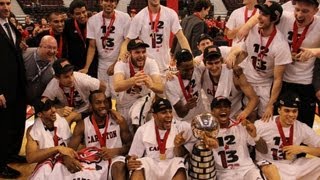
47 138
107 130
265 64
184 90
159 145
153 25
136 79
283 135
218 80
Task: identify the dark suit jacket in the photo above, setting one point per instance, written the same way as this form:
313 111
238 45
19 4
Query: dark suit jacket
192 27
12 71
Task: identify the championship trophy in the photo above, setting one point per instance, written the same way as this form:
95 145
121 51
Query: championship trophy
201 162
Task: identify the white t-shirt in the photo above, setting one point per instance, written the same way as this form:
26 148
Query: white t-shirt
127 98
174 93
236 20
232 153
83 85
141 27
269 132
260 72
44 137
109 49
113 139
300 72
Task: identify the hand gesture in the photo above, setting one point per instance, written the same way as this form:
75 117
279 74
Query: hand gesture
179 140
191 103
139 78
210 142
293 150
305 54
251 129
231 60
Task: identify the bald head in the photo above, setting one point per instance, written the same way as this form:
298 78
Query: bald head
48 48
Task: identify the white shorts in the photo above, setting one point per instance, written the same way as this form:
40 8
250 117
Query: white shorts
251 172
160 170
301 168
263 92
139 111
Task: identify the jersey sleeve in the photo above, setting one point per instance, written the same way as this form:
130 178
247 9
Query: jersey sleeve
119 67
175 24
135 26
153 67
231 23
90 28
310 137
137 147
88 81
172 92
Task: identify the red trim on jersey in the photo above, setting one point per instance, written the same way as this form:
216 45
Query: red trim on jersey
55 137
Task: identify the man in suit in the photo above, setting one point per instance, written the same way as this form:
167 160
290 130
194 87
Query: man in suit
12 92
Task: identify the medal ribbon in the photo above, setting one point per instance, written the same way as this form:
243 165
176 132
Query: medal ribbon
246 18
186 94
154 27
270 39
102 138
162 142
297 41
82 36
59 54
106 35
283 138
71 98
55 137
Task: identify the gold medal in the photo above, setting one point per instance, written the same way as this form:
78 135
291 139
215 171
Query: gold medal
162 156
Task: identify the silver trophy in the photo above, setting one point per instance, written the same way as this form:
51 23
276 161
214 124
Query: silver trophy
201 162
204 125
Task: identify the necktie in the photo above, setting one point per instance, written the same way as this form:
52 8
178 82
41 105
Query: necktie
6 25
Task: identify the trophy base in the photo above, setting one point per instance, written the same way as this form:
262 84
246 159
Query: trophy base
202 164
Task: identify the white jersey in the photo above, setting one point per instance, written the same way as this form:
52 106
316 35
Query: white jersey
128 97
300 72
83 85
269 132
225 87
113 138
141 27
44 137
237 19
301 168
232 156
174 93
108 49
260 72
